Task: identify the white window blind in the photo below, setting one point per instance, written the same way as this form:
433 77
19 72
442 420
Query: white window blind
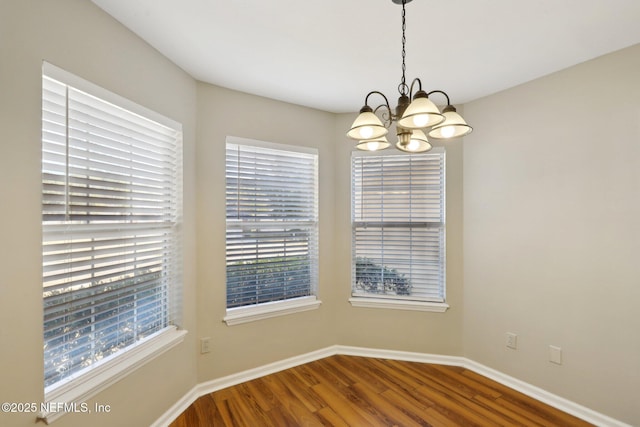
398 226
111 185
272 224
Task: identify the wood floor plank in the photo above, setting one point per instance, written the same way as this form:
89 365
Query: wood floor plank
391 371
514 418
279 416
387 412
304 375
347 391
436 419
444 381
526 412
451 409
329 417
341 391
334 375
363 375
288 401
336 368
438 379
302 392
363 406
252 398
228 419
262 394
244 408
457 376
409 405
500 388
208 412
352 415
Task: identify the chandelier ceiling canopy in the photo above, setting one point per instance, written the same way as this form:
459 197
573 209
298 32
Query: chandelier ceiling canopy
416 116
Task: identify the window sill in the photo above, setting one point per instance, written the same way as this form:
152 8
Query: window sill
398 304
239 315
83 386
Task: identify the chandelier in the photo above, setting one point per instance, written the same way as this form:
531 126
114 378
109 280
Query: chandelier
416 116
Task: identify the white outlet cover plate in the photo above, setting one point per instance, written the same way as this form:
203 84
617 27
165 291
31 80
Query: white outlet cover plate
555 355
512 340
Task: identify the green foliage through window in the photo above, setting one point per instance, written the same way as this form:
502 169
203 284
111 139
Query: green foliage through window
375 278
268 279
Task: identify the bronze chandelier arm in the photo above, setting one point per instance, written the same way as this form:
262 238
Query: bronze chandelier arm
441 92
411 88
386 116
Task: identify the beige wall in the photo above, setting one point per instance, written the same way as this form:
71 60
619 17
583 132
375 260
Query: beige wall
551 232
77 36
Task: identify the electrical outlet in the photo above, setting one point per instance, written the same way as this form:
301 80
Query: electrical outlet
512 340
555 355
205 345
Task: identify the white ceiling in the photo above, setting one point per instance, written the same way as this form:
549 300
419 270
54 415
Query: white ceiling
328 54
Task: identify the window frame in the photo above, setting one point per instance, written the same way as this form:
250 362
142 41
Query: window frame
86 383
260 311
364 300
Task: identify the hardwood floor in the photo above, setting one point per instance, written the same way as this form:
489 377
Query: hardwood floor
357 391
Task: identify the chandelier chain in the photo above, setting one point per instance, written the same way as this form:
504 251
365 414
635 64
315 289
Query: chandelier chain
403 88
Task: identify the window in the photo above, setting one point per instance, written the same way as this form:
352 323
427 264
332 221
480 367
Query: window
272 225
111 184
398 231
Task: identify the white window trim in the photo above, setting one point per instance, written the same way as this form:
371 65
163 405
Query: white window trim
84 385
398 304
270 145
106 95
246 314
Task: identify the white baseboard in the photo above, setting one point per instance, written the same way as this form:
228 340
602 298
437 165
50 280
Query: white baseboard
550 399
261 371
407 356
178 408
